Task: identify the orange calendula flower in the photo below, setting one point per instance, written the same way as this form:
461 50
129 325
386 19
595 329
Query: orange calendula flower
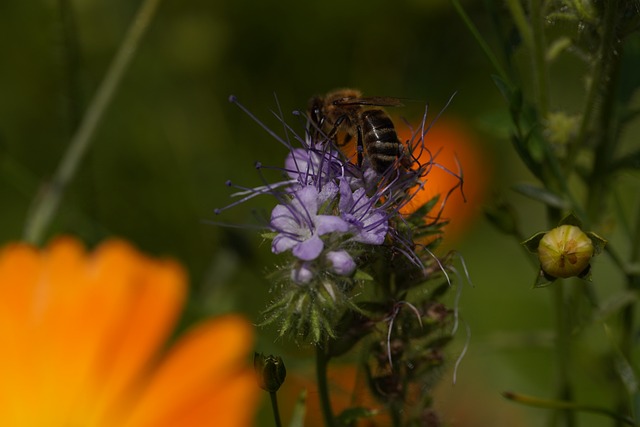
82 335
453 147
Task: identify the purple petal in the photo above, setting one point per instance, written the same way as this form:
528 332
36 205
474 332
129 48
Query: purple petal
309 249
361 203
373 235
341 262
282 243
296 162
346 197
330 224
305 201
327 192
283 220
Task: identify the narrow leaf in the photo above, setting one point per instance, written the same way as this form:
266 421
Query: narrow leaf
542 195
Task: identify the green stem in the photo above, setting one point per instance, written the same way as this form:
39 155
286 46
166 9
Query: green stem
565 405
323 387
46 204
606 143
539 57
274 407
563 347
520 21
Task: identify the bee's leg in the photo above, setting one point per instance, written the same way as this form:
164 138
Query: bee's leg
360 147
334 130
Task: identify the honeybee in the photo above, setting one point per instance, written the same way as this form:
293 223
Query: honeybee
344 114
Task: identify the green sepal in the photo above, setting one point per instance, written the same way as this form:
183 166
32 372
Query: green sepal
269 235
532 242
598 242
585 274
571 219
362 275
543 280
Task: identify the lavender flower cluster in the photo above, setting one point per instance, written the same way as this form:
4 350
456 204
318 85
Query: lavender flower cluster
323 215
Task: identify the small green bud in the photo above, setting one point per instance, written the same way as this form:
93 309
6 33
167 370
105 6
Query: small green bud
565 251
270 371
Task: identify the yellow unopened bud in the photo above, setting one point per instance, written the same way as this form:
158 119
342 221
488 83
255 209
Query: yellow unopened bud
565 251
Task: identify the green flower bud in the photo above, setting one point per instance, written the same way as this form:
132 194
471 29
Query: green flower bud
565 251
270 371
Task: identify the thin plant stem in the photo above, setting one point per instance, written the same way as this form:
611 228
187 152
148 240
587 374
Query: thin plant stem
539 58
274 407
520 21
46 204
483 44
606 143
565 405
563 347
323 387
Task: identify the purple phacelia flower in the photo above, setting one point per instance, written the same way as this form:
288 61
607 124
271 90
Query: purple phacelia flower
300 225
368 224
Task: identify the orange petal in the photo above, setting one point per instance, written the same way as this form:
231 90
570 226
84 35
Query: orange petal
207 356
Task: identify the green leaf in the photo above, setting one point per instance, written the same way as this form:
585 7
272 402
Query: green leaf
417 217
542 195
299 410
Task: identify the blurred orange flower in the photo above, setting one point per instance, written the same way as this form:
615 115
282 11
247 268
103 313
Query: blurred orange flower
82 335
454 148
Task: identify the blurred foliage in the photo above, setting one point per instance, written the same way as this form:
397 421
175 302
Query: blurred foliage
169 141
